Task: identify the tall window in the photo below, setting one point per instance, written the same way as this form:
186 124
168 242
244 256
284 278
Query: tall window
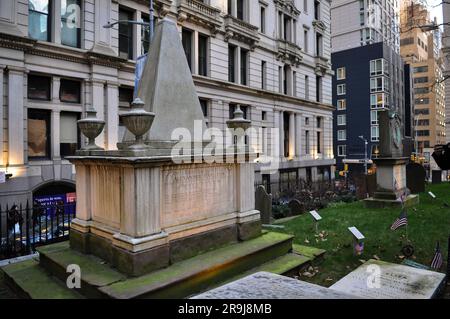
204 104
231 63
263 75
125 35
244 66
319 44
307 143
306 87
69 134
317 10
145 33
319 142
305 6
305 40
202 55
39 22
263 20
38 134
186 38
294 83
240 7
70 23
318 88
286 74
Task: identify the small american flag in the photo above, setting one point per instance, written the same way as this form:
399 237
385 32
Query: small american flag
402 220
437 259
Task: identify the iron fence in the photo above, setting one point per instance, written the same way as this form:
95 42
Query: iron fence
22 229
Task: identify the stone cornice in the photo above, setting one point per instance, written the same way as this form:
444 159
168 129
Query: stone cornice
288 7
214 83
58 52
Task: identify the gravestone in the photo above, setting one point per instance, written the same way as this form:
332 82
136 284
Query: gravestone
415 178
296 207
263 203
436 177
382 280
264 285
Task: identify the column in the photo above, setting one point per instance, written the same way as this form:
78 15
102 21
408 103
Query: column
55 134
292 142
298 133
281 127
98 103
15 116
195 53
56 21
274 139
83 214
1 114
112 115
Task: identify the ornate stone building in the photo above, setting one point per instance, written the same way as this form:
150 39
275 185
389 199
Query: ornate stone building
57 59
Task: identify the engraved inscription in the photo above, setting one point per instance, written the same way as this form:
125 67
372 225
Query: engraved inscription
195 192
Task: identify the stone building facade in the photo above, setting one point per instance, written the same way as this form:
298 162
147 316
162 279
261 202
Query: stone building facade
270 57
421 50
446 58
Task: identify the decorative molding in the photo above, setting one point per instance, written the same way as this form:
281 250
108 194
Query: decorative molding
241 31
200 13
288 7
288 52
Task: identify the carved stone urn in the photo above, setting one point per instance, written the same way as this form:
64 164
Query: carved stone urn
240 125
91 127
138 121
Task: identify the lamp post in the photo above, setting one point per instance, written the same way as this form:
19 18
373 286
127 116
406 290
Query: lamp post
366 143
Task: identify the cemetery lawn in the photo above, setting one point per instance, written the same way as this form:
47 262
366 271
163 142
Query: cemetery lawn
428 222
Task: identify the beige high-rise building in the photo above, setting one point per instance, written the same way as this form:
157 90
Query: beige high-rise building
421 50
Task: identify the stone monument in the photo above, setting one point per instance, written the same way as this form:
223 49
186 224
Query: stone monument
391 165
151 222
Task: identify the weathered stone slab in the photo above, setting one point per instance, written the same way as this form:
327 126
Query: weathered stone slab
395 282
264 285
415 178
263 203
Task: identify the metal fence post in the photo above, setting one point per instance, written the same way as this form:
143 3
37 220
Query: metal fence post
27 227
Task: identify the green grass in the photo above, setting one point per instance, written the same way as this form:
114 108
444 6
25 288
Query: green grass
428 223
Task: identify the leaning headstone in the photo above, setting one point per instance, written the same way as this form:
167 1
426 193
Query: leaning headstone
382 280
415 178
264 285
296 207
263 203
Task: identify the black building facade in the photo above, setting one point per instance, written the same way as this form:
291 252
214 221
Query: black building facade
367 79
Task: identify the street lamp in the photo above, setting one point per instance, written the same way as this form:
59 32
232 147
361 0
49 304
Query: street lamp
365 152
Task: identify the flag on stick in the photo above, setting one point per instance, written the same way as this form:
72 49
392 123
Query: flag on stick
402 220
437 262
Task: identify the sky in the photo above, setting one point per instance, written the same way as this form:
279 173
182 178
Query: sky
436 11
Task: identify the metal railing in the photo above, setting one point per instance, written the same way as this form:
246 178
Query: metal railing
22 229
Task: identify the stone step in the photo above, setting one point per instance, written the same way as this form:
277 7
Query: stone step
311 252
95 273
28 280
197 274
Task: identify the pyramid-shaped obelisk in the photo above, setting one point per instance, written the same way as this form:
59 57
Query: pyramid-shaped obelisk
167 88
